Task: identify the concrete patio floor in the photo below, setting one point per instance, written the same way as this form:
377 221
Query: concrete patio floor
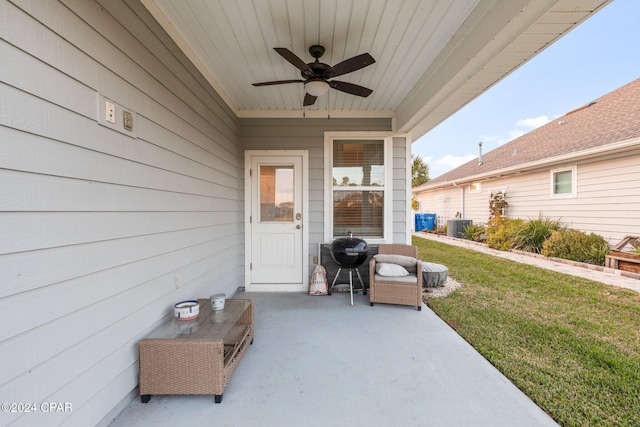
317 361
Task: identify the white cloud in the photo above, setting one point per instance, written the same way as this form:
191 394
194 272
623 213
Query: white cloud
533 122
489 138
426 160
516 133
447 163
525 126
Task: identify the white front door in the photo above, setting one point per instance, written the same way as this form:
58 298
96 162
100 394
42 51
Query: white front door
275 203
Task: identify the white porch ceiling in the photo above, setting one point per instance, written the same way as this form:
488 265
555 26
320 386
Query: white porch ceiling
432 56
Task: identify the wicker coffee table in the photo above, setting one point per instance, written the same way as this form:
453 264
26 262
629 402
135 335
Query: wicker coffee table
198 356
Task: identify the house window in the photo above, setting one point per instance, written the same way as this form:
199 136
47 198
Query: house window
563 182
358 199
475 187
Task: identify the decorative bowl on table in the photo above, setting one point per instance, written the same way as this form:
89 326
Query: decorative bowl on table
186 310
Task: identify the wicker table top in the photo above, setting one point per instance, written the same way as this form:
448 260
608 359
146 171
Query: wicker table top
210 325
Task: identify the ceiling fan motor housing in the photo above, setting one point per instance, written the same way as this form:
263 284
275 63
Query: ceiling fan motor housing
318 69
316 51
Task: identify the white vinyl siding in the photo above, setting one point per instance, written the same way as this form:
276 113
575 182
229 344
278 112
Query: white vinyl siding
477 204
607 199
444 203
400 209
100 232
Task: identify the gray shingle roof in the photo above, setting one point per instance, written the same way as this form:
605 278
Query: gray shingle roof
614 117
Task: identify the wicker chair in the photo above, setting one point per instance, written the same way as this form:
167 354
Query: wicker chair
406 290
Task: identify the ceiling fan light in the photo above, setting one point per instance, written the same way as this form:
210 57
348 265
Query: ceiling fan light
316 87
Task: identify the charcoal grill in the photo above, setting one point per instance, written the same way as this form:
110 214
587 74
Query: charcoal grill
349 253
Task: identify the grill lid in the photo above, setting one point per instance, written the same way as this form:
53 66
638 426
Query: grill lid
349 246
349 251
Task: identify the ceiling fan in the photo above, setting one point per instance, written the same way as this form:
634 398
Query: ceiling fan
317 75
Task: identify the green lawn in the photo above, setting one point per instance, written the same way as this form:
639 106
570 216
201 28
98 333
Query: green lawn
572 345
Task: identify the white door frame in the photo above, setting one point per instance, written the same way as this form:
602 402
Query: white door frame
298 287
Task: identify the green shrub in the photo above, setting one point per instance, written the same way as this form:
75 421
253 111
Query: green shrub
534 233
577 246
501 232
598 250
475 233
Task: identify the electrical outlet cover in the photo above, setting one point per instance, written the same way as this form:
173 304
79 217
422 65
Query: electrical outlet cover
110 112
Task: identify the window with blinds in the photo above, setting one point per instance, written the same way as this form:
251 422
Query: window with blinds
358 187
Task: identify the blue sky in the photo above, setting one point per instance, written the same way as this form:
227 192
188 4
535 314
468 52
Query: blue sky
600 55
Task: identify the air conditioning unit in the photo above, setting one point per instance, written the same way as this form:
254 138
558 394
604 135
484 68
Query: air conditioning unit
455 227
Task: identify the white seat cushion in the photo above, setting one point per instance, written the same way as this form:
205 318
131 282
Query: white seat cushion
390 270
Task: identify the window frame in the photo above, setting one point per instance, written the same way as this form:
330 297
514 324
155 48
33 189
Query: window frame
477 189
387 189
574 182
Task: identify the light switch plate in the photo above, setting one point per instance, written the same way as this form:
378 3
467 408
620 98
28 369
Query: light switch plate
127 120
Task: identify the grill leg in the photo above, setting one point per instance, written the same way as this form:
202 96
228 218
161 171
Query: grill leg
351 284
364 290
334 280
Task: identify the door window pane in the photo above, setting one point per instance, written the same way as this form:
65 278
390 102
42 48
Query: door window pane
276 193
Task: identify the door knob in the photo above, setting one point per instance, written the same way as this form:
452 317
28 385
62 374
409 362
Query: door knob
298 226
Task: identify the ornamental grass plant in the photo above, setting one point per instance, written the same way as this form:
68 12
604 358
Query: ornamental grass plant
475 232
572 345
530 237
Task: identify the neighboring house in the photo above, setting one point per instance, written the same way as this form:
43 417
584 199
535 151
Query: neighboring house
582 168
138 163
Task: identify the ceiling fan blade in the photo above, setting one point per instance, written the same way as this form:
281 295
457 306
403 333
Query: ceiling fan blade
277 82
293 59
350 65
351 88
309 100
